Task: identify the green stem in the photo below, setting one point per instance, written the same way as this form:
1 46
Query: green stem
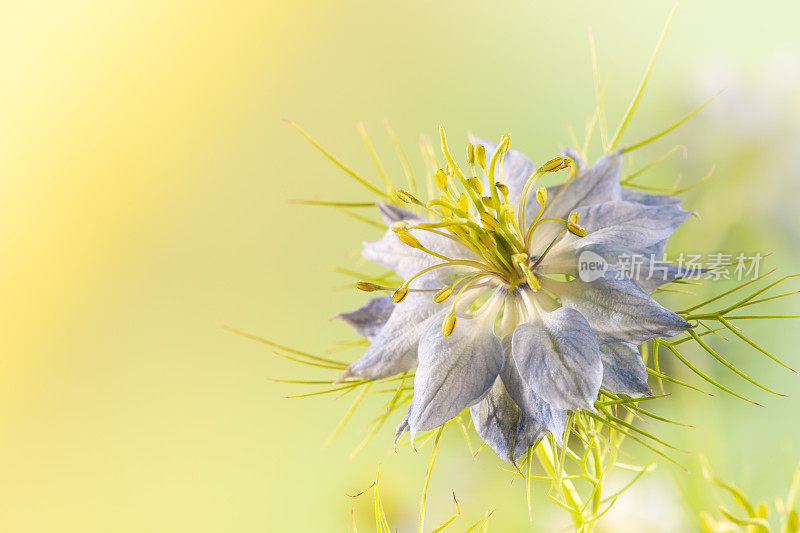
546 457
597 498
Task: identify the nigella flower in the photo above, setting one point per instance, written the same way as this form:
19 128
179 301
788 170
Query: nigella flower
493 313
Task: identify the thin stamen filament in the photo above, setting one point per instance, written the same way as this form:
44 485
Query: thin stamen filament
473 264
552 243
472 280
377 287
523 202
496 260
529 234
534 224
492 162
455 209
443 234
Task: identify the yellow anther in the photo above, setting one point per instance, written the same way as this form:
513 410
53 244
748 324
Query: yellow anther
449 324
442 295
460 231
407 197
519 259
574 216
470 154
505 143
399 226
488 202
409 239
480 155
557 163
440 178
503 190
487 240
476 184
400 294
463 202
541 194
489 221
576 230
792 521
368 286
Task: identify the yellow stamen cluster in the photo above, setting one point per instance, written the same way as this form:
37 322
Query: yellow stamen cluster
478 215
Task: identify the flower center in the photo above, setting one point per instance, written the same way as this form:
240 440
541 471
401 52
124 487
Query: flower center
478 215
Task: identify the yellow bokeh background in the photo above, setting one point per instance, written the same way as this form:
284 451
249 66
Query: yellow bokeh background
144 179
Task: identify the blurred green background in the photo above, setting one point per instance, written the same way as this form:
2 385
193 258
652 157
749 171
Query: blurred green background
145 179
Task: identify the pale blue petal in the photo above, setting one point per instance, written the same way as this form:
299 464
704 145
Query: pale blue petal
634 228
394 348
577 160
454 372
618 231
617 309
623 370
401 428
559 358
368 319
621 213
639 197
390 252
592 186
529 432
533 407
625 193
495 419
648 273
645 270
657 250
502 425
